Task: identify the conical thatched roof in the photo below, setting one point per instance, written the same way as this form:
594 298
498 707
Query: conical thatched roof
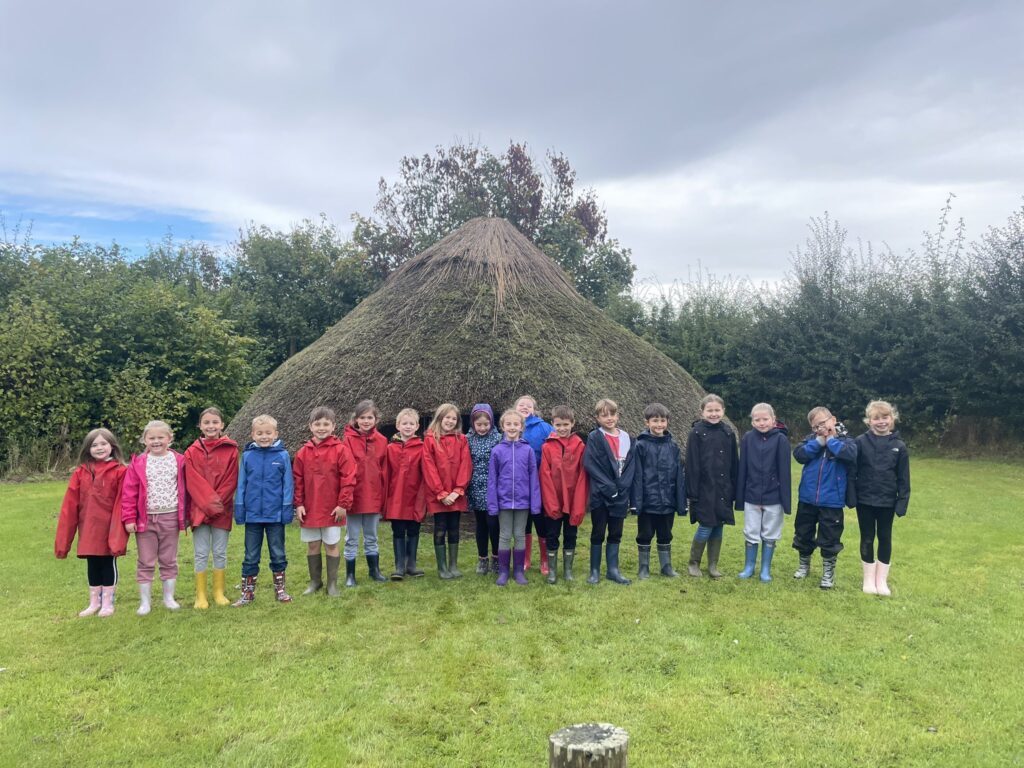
481 316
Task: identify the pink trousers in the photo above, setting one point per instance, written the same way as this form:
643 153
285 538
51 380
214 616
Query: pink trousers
159 542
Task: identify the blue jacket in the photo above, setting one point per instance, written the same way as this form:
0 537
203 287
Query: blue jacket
826 467
764 476
265 485
535 433
608 488
512 480
659 486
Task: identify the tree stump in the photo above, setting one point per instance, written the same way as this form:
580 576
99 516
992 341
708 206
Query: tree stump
588 745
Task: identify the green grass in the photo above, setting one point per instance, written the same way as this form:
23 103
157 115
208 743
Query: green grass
429 673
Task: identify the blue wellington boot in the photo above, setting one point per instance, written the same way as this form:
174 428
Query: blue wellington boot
767 552
749 560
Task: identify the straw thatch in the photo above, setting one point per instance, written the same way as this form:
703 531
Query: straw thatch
481 316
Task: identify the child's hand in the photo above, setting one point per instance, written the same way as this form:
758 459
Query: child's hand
300 512
130 527
450 499
339 515
216 507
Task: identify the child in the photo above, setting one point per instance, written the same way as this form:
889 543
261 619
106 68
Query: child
154 507
321 469
364 497
406 504
90 503
609 462
211 474
827 455
763 489
482 438
659 490
263 503
883 490
513 493
535 432
563 489
711 466
447 468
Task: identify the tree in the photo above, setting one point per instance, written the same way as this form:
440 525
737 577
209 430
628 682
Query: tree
437 193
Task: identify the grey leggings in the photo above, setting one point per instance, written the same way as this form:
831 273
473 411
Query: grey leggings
368 525
202 538
512 525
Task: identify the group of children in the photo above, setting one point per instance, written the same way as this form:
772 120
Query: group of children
516 474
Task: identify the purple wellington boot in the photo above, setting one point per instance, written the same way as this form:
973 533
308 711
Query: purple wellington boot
504 555
518 566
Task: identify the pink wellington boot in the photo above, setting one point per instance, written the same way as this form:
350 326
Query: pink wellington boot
94 603
107 598
869 578
882 579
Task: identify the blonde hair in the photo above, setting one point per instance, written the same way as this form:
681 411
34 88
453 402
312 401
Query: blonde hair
84 455
710 398
883 407
156 424
442 410
604 405
818 411
762 408
412 412
511 413
264 419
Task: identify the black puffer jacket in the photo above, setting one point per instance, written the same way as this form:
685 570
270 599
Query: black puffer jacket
659 487
883 472
712 464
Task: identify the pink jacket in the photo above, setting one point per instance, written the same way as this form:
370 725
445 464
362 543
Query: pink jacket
133 494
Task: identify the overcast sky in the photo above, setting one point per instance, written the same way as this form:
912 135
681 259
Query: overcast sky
711 131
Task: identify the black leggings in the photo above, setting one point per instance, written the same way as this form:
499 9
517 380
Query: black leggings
874 520
404 529
486 531
555 527
600 521
446 522
647 525
101 570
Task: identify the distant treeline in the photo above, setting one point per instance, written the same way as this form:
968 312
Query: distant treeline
90 335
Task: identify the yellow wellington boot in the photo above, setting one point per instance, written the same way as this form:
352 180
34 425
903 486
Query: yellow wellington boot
201 591
218 587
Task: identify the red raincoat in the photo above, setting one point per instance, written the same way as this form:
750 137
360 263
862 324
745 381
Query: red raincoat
406 498
366 490
447 467
211 476
321 471
564 486
92 509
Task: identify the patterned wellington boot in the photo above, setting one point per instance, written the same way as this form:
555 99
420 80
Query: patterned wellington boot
94 603
107 599
828 572
279 591
804 569
248 592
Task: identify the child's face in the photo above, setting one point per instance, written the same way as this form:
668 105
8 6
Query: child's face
712 413
824 425
321 429
449 422
264 435
366 421
211 426
563 427
157 442
525 406
608 420
880 423
762 421
100 449
512 428
657 425
407 427
482 425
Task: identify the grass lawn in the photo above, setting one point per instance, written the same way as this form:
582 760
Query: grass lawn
431 673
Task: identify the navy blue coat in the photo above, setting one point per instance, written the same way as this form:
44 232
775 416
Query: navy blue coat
265 485
764 476
608 488
711 468
659 485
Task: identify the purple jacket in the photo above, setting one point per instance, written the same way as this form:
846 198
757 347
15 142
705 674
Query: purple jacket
512 481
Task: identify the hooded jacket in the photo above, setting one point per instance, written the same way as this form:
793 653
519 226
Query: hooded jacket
883 472
564 487
659 485
211 475
92 509
447 468
764 472
366 491
608 488
711 473
480 447
265 485
406 496
826 467
133 493
535 432
320 472
512 481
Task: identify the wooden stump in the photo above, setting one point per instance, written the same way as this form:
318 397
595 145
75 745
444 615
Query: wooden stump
588 745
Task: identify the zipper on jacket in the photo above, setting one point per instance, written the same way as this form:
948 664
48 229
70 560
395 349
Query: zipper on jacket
514 476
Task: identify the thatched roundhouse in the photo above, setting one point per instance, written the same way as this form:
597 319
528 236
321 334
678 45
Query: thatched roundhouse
481 316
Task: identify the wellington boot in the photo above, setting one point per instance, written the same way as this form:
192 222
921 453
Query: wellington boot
201 602
453 560
519 567
333 565
350 573
595 564
882 579
412 544
529 552
145 592
504 558
442 562
696 553
567 559
219 583
373 566
643 560
94 603
169 602
248 592
399 547
612 561
767 553
869 578
804 569
714 550
279 591
552 569
107 599
316 574
544 564
749 560
665 561
828 572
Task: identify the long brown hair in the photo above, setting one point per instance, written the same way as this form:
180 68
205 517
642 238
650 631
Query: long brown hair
84 455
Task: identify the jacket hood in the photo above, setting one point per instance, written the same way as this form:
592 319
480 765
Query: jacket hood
414 440
329 440
217 442
646 435
353 431
277 446
532 419
481 408
778 429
